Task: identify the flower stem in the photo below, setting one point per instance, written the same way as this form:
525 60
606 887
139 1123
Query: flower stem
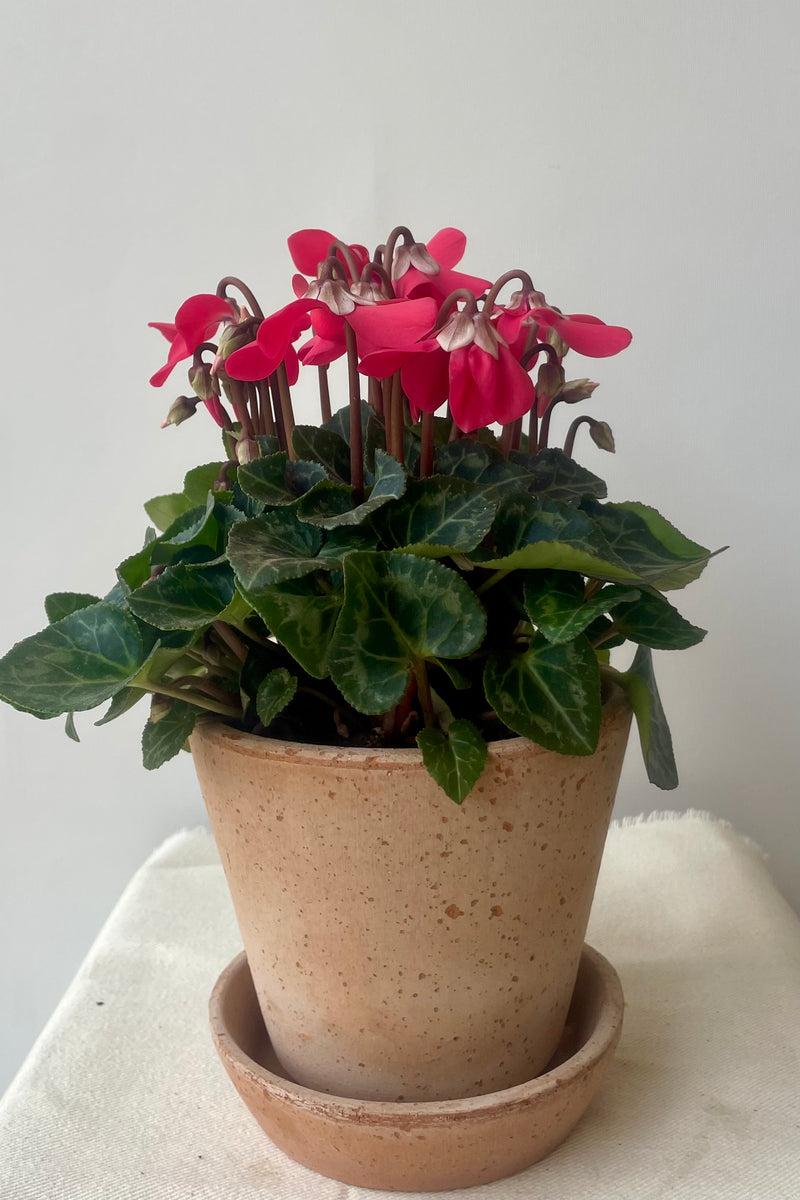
324 394
498 285
274 392
533 432
426 450
398 420
356 447
265 408
424 693
569 440
376 396
191 697
232 281
226 635
286 409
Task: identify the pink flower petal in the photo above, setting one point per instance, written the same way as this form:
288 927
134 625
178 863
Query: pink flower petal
199 316
177 352
587 335
392 322
426 381
308 247
447 247
249 364
320 352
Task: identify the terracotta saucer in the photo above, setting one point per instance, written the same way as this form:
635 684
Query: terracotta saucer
420 1146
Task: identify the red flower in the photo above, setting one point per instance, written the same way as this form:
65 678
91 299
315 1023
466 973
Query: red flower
273 344
584 334
466 362
310 247
197 320
445 249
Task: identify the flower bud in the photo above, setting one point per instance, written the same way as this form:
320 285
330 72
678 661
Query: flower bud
575 390
601 435
180 410
233 337
555 341
159 708
246 451
549 380
204 384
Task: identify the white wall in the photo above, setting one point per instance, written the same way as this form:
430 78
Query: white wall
639 158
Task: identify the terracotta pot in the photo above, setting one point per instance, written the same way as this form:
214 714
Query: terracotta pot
403 947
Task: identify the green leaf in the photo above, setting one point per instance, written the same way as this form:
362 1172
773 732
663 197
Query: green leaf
455 759
325 447
555 602
69 727
163 510
340 424
639 685
61 604
398 611
667 564
437 516
272 548
264 480
482 465
74 664
184 596
121 703
550 694
274 693
195 534
535 534
554 475
164 739
302 615
198 482
330 505
652 621
302 476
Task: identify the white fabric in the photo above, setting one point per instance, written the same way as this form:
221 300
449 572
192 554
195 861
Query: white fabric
123 1098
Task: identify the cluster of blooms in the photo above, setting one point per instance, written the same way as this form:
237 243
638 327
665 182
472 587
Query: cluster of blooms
405 312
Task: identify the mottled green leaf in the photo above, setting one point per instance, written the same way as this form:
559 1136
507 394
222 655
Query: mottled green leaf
74 664
163 510
274 693
184 596
273 547
667 564
437 516
264 480
536 534
329 505
340 423
652 621
302 614
399 611
323 445
555 602
639 685
455 759
550 694
61 604
554 475
163 739
198 482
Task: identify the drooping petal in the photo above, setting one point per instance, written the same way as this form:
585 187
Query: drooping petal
426 381
321 352
308 248
448 246
292 364
214 406
414 285
167 328
249 364
177 352
395 323
587 335
484 389
199 316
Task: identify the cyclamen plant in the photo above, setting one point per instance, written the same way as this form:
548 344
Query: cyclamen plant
391 576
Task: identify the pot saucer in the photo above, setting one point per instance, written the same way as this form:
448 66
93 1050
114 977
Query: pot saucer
420 1146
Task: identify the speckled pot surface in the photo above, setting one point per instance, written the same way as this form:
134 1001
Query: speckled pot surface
421 1146
403 947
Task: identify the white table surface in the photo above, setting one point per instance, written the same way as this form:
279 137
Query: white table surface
123 1097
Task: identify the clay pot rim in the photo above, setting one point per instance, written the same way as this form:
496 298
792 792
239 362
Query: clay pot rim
589 1055
377 757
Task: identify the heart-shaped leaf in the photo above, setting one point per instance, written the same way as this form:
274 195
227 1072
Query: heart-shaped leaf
398 611
550 694
629 531
274 693
652 621
163 739
454 759
61 604
302 614
74 664
436 517
555 602
184 596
